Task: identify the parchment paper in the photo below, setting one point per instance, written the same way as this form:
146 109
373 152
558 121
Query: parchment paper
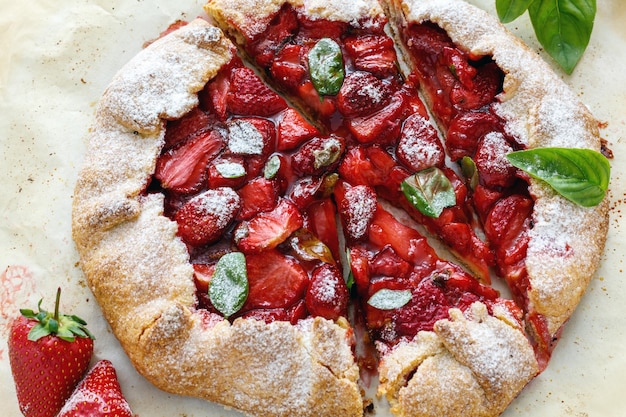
56 59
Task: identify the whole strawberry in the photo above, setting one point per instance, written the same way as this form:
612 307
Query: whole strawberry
49 354
98 395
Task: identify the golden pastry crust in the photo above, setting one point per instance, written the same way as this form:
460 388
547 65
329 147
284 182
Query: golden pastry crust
245 19
541 111
473 364
139 271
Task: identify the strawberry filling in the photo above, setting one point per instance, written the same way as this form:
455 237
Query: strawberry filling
281 180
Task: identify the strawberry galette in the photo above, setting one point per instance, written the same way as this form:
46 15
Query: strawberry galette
256 221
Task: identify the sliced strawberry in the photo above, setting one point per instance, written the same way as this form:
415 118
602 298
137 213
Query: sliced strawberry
265 45
214 96
381 127
373 53
484 198
362 94
419 146
99 394
275 281
327 295
251 136
318 155
177 131
249 96
320 107
405 241
359 258
227 171
267 230
321 221
494 168
293 130
289 68
466 130
292 314
202 274
184 169
366 166
506 228
204 218
257 196
388 263
357 207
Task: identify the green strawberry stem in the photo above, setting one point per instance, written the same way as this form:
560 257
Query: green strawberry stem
65 327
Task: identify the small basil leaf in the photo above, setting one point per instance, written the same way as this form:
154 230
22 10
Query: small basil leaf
470 171
326 67
429 191
272 166
230 170
228 288
509 10
580 175
386 299
563 27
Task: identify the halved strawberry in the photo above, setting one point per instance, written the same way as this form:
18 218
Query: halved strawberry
275 281
267 230
204 218
293 130
388 263
177 131
405 241
251 136
305 191
466 129
485 86
318 155
419 146
249 96
288 68
265 45
327 295
257 196
184 169
320 107
459 65
506 228
383 127
357 207
494 169
214 96
202 274
362 94
373 53
366 166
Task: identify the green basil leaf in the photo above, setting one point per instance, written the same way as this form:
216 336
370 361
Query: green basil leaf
228 288
470 171
230 170
386 299
509 10
326 67
272 166
429 191
563 27
580 175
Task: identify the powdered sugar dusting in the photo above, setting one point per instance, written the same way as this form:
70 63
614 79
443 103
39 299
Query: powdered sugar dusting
16 288
492 153
244 138
359 210
419 146
220 203
351 11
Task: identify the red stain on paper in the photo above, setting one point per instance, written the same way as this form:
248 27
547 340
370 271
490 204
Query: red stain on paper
16 288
